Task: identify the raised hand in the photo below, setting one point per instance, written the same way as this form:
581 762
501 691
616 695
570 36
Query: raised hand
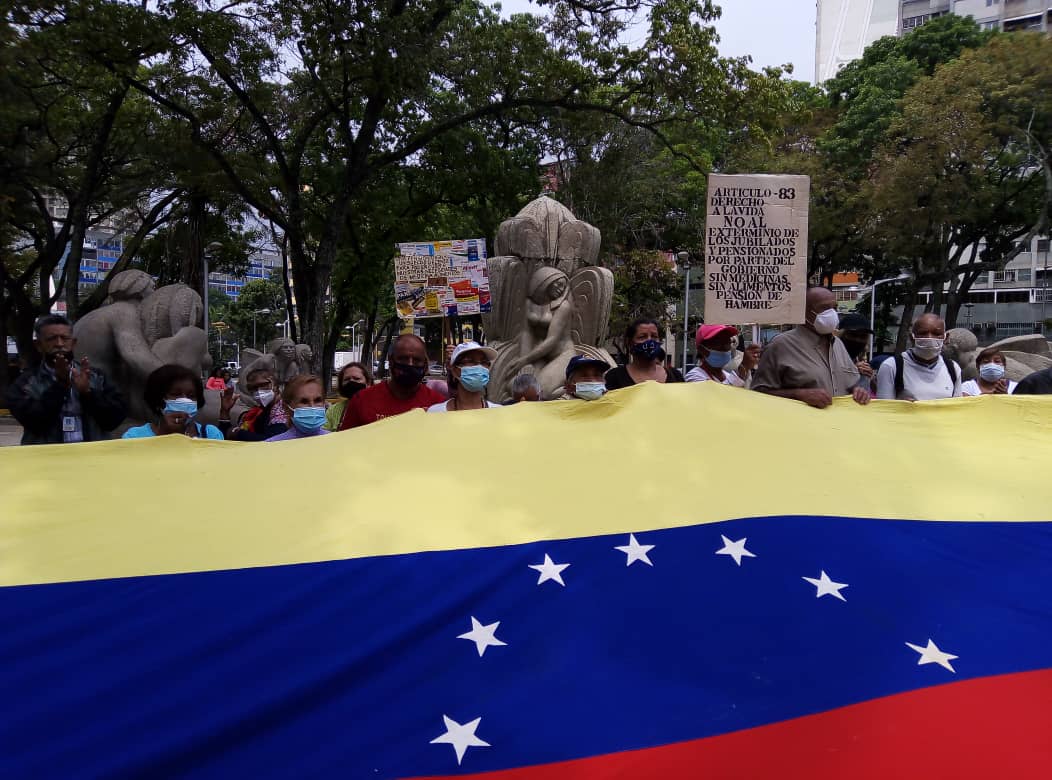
81 377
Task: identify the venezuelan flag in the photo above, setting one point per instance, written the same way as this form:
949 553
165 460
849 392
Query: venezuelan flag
672 582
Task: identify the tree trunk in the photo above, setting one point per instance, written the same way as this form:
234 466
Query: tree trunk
906 320
287 287
190 267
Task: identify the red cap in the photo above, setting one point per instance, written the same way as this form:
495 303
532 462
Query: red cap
709 332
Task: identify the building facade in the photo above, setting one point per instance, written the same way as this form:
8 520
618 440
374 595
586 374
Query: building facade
846 27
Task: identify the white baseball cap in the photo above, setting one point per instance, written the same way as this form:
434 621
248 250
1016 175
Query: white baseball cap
472 346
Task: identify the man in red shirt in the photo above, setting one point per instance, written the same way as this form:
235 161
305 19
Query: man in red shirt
404 391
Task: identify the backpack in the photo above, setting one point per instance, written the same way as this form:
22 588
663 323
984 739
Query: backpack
900 381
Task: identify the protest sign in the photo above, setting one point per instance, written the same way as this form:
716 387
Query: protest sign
756 249
441 278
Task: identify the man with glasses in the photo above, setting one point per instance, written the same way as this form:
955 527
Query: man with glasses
63 400
402 391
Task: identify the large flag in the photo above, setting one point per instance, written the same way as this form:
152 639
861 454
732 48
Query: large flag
683 581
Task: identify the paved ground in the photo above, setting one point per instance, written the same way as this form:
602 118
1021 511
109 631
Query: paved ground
10 431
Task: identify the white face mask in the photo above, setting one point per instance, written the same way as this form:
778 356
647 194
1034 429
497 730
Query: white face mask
826 321
927 348
264 397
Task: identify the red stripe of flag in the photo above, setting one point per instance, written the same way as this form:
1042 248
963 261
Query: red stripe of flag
990 727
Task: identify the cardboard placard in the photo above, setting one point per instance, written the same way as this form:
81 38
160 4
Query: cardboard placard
441 278
756 249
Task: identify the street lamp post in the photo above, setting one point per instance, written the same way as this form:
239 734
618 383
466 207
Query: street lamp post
684 261
257 311
873 304
354 339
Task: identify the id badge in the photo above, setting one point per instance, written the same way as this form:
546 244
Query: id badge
69 424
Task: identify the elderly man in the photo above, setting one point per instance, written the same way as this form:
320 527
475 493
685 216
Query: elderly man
403 391
63 401
922 373
809 363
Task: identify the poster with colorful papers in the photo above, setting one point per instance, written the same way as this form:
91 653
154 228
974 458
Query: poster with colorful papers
441 278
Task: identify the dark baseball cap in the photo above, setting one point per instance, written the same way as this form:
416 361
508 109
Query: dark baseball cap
580 361
855 322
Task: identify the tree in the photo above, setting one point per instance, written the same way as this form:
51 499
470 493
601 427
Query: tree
321 98
257 329
75 139
645 282
963 181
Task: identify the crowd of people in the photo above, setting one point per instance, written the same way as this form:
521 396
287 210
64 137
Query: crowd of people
65 400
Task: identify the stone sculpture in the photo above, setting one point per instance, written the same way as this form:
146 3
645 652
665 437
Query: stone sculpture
549 301
284 359
139 329
1023 354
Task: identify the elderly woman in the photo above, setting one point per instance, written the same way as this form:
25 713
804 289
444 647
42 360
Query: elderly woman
468 377
175 394
990 364
304 399
353 377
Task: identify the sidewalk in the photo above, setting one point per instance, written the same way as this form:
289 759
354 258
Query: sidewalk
10 430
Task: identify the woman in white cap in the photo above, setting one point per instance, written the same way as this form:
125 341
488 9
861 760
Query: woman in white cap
468 377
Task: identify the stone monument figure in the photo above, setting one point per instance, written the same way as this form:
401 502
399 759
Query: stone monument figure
139 329
549 301
284 359
1023 354
112 339
170 320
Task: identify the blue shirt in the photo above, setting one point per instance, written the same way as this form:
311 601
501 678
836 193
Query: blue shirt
146 431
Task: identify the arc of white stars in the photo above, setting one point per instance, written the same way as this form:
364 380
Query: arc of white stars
735 549
550 570
826 586
636 551
931 654
461 736
483 636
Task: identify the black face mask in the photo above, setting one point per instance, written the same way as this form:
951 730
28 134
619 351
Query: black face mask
407 376
349 388
854 348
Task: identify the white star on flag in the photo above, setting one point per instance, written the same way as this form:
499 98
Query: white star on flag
461 737
933 655
636 551
550 571
735 549
483 636
826 587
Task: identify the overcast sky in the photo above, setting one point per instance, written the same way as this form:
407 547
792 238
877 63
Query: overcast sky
772 32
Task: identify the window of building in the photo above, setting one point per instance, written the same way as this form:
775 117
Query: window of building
1023 275
1042 296
1013 296
979 297
846 295
992 2
1042 245
1004 276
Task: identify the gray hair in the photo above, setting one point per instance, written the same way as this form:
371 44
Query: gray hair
522 383
46 320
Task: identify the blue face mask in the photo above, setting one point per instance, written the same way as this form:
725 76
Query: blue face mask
474 378
650 349
589 391
308 419
186 406
719 359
